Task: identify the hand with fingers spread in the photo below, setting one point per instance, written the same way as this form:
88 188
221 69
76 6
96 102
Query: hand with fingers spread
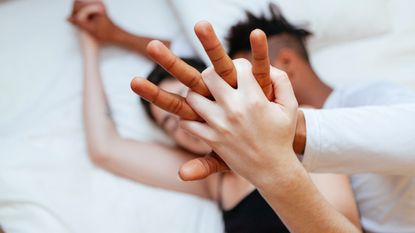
251 134
221 62
200 168
254 136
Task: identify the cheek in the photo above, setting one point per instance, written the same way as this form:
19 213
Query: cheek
191 143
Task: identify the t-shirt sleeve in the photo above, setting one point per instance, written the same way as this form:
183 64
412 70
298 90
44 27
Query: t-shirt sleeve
378 139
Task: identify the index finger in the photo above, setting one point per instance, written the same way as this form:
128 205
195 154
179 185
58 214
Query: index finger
183 72
167 101
260 62
222 63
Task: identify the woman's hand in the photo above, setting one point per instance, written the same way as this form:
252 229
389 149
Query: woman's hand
251 134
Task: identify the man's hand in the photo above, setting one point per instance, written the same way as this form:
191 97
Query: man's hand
92 17
189 76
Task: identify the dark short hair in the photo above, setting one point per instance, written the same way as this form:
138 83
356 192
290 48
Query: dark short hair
276 24
158 75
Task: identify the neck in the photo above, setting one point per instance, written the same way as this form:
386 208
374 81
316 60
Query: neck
315 92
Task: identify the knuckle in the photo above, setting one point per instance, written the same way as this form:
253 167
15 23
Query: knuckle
235 115
255 104
175 106
193 81
223 130
221 57
226 72
171 63
214 48
261 75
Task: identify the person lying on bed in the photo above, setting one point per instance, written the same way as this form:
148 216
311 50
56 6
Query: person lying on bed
244 210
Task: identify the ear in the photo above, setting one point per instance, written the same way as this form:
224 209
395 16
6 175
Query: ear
285 60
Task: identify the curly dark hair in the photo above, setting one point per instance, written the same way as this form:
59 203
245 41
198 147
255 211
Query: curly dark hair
238 37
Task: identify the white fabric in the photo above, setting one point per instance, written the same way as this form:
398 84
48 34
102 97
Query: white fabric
47 183
369 141
221 13
356 140
353 21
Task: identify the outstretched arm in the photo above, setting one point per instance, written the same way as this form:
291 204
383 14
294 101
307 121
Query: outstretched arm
132 159
93 17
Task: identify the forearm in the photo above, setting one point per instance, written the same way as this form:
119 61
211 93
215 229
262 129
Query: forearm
99 126
133 42
301 206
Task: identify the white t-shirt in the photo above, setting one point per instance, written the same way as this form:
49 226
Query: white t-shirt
386 200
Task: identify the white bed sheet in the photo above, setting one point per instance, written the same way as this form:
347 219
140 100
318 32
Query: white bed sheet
47 183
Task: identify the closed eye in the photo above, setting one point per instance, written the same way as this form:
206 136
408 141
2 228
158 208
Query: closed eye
170 124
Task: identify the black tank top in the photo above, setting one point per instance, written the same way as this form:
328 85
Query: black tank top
252 215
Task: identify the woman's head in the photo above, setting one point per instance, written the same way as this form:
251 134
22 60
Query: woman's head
168 121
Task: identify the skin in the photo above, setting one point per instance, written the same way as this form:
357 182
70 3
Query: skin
228 126
92 17
118 155
202 167
170 122
232 128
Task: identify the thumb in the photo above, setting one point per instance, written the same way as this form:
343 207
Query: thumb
200 168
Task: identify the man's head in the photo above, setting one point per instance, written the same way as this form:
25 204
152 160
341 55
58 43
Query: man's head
286 44
168 121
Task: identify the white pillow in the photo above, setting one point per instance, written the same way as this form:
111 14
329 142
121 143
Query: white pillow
339 21
221 13
330 21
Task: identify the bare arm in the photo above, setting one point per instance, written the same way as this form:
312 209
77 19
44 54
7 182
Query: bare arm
337 190
147 163
133 42
303 208
93 18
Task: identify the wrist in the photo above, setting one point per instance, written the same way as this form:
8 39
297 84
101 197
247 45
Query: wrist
277 171
284 181
117 35
300 136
